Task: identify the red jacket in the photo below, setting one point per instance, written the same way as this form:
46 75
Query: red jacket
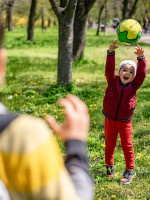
119 101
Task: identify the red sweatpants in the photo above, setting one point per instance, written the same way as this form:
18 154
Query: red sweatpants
112 128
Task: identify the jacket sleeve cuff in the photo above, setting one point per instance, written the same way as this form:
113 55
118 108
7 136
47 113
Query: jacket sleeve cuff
141 58
110 53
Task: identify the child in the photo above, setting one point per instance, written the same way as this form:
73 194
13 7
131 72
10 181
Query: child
118 107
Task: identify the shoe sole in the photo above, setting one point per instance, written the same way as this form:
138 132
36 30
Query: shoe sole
126 183
111 176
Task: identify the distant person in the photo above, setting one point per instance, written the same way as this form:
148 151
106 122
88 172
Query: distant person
31 164
115 23
146 26
118 107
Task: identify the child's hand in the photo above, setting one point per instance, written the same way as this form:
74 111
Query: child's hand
113 46
139 51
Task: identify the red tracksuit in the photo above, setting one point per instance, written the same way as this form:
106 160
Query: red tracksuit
118 107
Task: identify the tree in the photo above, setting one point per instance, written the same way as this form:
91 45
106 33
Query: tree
43 19
129 8
9 10
2 8
99 17
21 8
80 27
65 14
132 11
44 13
30 28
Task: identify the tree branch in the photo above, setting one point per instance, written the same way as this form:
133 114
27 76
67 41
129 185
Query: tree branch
54 7
57 9
132 11
2 5
125 9
10 2
89 4
64 5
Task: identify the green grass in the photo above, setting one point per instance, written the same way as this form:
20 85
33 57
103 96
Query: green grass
31 88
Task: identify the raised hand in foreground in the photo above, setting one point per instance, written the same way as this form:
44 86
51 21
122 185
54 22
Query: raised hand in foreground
77 121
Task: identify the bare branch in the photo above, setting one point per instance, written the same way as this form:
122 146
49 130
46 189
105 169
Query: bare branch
54 7
2 5
57 9
64 7
89 4
132 11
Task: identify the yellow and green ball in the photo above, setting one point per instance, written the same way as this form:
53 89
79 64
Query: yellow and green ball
129 31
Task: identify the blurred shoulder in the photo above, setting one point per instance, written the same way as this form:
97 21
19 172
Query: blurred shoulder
26 129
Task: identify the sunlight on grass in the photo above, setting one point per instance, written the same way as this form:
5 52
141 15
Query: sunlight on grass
34 52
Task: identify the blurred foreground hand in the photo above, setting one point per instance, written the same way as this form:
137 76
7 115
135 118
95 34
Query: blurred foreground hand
77 120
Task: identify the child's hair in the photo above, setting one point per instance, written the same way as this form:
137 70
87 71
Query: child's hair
131 62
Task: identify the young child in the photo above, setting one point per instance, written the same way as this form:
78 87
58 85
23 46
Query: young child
118 107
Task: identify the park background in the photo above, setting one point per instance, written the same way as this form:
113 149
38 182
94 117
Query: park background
33 39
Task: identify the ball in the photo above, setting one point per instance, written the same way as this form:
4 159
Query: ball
129 31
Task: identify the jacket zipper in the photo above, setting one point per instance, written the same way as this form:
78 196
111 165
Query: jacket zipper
119 103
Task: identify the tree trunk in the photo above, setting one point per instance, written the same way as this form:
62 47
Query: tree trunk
99 18
128 13
49 22
105 17
43 19
64 73
125 9
65 15
132 11
80 27
30 29
9 14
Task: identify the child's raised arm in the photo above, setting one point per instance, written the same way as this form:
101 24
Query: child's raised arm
113 46
139 51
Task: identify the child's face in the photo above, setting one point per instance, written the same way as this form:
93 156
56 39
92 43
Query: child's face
126 73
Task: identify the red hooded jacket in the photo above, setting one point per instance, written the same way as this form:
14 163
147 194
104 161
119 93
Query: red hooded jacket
120 100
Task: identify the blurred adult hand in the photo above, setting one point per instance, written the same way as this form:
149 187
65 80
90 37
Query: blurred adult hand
77 120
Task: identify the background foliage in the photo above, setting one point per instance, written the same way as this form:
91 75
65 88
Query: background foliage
114 9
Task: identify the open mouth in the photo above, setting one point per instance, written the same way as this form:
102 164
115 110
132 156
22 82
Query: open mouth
125 78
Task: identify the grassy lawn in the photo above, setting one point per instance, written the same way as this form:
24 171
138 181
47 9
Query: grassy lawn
31 88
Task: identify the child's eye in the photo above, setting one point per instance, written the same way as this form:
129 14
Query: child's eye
124 70
131 72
